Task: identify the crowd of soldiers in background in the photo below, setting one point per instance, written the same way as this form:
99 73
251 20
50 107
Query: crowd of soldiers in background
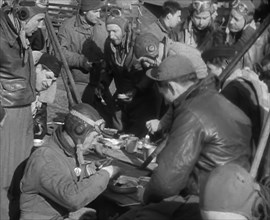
133 74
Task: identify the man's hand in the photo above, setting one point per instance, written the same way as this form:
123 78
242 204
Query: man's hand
128 96
87 65
112 170
153 126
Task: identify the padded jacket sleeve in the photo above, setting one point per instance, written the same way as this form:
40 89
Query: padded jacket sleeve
73 59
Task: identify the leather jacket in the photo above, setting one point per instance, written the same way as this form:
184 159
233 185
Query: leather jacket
207 131
17 77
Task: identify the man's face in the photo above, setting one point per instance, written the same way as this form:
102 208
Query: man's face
45 78
236 22
90 139
168 90
115 33
175 19
32 25
92 16
201 20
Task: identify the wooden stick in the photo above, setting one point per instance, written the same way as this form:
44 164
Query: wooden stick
261 147
69 96
158 149
63 59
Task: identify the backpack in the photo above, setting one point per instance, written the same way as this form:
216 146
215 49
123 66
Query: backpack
259 88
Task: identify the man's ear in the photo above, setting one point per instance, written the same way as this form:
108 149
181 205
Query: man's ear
172 87
38 68
169 16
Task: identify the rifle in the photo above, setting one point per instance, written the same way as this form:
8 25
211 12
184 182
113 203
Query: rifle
58 51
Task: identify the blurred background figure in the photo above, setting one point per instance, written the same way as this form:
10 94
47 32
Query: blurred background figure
169 19
198 28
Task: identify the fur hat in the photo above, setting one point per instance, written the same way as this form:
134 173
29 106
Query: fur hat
51 62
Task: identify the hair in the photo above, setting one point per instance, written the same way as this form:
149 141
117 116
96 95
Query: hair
265 60
170 7
81 12
187 78
219 61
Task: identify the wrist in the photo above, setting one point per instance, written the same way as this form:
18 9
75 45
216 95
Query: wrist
109 170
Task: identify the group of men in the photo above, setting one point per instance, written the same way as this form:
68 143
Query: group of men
163 83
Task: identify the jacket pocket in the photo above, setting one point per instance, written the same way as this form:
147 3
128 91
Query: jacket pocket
14 85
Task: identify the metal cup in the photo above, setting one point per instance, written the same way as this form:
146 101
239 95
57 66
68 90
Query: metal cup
131 144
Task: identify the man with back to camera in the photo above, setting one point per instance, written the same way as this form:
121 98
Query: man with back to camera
202 136
17 87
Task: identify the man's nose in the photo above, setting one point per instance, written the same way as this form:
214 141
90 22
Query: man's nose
41 24
111 36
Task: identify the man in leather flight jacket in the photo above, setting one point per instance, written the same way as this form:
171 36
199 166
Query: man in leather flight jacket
17 86
207 131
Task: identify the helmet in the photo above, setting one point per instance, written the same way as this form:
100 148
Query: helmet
244 7
81 120
26 9
146 45
202 5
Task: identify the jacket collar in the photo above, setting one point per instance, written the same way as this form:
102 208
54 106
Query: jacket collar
210 82
83 27
64 142
8 27
160 22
